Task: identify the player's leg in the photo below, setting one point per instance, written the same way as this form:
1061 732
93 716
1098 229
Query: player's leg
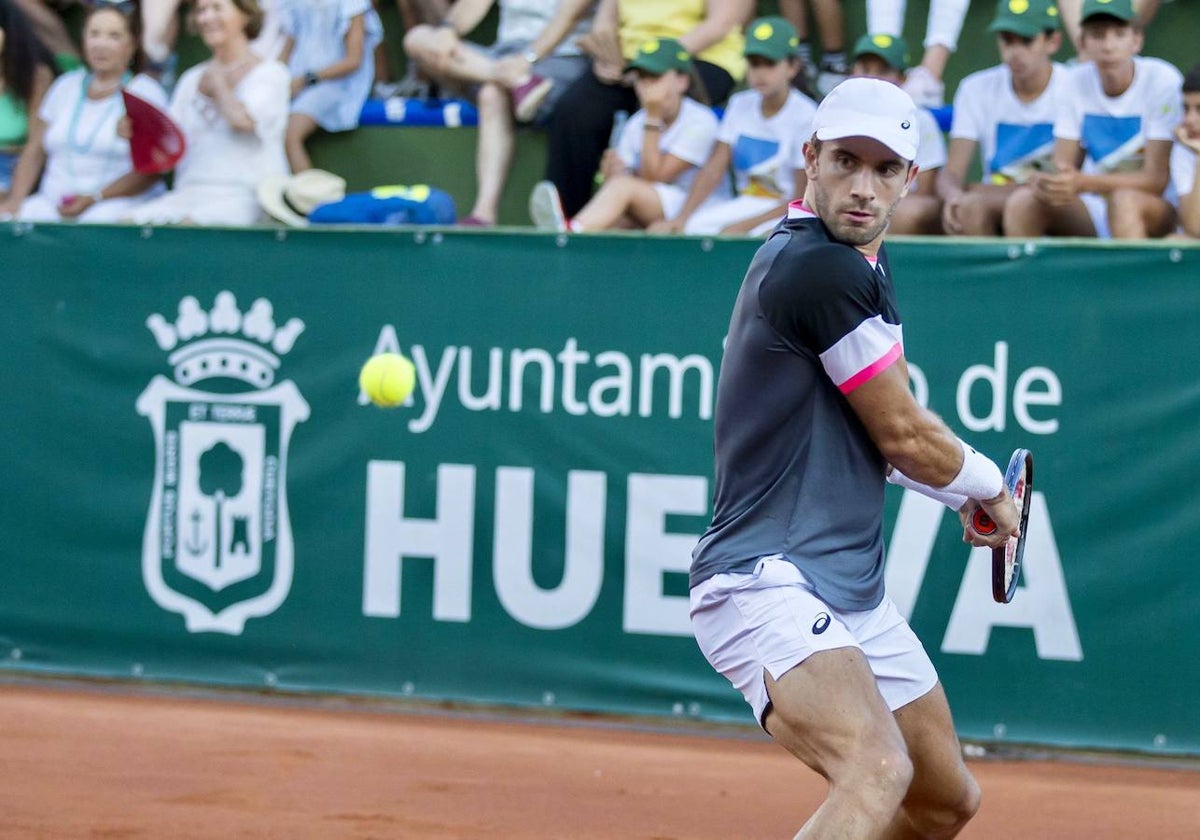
811 687
827 712
943 795
1136 214
493 151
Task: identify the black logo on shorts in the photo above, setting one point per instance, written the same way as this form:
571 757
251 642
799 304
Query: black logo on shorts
821 624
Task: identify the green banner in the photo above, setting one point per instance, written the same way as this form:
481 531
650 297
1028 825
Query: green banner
195 490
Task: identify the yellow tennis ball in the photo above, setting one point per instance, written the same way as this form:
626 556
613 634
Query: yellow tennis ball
387 379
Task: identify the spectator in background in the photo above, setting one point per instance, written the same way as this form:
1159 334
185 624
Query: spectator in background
48 25
26 72
233 110
520 78
761 136
1117 118
920 211
1071 9
74 148
414 84
833 67
1185 175
944 24
1007 112
648 175
581 127
328 49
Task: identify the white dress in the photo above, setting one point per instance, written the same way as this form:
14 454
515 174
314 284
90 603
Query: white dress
318 32
83 152
216 179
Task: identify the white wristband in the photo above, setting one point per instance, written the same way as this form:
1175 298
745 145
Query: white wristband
951 500
979 477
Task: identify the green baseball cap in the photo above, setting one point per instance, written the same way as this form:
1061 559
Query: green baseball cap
1026 17
1120 9
771 37
891 48
658 55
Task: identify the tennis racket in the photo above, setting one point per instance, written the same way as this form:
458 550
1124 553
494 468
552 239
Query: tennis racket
1006 559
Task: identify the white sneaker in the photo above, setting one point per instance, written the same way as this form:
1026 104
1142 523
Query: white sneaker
926 90
545 207
828 78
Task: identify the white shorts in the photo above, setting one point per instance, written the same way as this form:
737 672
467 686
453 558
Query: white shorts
671 197
772 620
1097 207
711 218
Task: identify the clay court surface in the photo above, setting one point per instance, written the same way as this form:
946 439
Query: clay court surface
102 762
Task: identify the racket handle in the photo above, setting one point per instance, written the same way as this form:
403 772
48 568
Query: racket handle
982 523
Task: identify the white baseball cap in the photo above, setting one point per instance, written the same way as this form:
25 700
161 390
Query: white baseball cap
863 107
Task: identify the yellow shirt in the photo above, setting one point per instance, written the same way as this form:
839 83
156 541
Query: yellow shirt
644 19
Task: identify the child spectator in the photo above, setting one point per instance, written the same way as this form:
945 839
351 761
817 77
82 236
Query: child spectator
762 136
233 111
1007 112
581 127
26 72
886 57
84 165
943 26
648 175
1185 175
328 50
520 78
1121 112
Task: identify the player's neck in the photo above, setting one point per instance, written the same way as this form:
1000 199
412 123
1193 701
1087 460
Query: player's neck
1030 87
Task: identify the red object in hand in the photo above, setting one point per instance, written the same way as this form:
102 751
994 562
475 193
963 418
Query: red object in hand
982 523
157 143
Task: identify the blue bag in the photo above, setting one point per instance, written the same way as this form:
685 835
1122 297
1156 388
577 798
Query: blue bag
395 205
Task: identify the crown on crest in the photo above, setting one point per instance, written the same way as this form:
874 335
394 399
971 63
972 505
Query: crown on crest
213 344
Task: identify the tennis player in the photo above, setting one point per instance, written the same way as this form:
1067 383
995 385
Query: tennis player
813 411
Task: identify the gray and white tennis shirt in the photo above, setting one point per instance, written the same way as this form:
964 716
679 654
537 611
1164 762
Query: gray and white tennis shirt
796 472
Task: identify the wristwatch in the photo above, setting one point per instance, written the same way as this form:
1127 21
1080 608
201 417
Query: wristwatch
531 56
311 78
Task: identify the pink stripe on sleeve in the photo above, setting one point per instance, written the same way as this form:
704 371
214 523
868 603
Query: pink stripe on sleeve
872 370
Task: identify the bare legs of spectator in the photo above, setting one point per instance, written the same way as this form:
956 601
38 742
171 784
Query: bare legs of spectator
981 210
413 13
943 26
299 128
917 215
493 151
832 27
1136 214
1026 215
49 27
160 28
622 202
465 64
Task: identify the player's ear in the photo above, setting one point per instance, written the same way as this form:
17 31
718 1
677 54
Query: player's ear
812 149
913 169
